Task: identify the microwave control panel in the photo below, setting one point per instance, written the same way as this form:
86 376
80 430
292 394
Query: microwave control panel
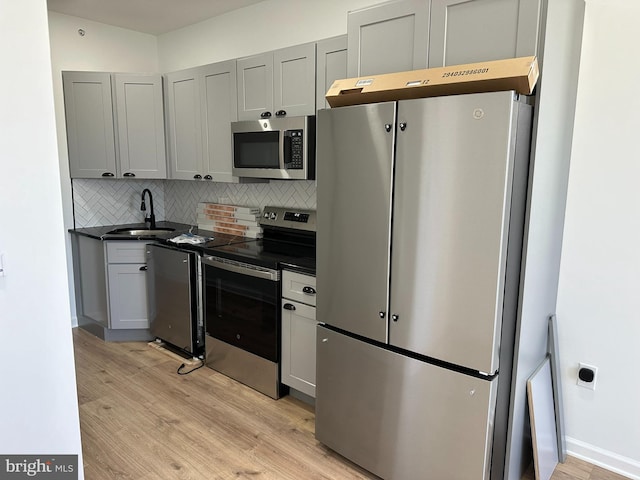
294 158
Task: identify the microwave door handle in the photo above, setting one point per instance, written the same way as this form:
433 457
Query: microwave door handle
286 149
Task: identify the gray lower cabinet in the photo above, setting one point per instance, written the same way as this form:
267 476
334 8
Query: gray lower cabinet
201 104
298 366
127 283
278 83
90 277
110 287
115 125
468 31
389 37
331 65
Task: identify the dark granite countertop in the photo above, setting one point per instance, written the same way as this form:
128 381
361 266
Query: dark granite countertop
217 239
306 266
302 265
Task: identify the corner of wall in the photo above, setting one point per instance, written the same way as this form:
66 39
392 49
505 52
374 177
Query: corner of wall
603 458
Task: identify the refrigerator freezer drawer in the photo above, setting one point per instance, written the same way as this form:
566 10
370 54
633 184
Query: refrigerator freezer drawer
399 417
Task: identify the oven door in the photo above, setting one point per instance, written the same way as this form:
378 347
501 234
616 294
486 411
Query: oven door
242 306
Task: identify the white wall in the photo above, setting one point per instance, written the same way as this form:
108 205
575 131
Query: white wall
103 48
548 178
38 403
255 29
599 291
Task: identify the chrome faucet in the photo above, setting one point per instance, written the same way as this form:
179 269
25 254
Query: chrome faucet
151 218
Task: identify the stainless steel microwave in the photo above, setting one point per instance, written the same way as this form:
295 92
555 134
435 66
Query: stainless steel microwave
277 148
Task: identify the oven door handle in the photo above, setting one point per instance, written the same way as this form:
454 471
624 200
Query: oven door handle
242 268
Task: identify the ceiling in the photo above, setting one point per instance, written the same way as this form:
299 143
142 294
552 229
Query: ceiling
149 16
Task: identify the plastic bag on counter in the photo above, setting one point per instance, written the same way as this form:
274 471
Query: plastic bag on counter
191 238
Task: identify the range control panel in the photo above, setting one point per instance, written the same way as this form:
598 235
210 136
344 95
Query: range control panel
289 218
296 217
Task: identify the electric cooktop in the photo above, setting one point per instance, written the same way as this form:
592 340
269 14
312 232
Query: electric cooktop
289 238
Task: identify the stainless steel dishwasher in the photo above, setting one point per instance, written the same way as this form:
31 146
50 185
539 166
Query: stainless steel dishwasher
172 291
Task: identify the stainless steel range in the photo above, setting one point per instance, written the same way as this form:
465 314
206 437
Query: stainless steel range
241 287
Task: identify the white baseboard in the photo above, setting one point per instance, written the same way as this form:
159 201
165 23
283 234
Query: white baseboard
74 321
611 461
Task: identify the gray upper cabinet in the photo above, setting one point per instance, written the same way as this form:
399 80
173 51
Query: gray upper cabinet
331 65
115 125
275 82
294 80
184 124
219 109
140 120
468 31
201 104
255 86
390 37
90 134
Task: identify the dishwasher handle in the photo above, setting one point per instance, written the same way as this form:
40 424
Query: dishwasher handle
242 268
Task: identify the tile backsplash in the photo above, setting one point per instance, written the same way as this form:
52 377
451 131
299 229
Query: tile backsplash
110 202
182 197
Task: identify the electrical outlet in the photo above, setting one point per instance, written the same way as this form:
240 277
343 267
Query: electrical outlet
587 375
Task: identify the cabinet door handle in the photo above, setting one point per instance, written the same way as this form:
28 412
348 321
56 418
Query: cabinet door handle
265 115
281 113
144 268
108 174
309 290
289 306
208 177
197 176
129 174
395 317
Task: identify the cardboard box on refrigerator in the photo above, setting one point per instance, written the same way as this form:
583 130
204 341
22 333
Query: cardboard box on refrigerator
519 74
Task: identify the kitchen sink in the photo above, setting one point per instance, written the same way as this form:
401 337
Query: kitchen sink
139 232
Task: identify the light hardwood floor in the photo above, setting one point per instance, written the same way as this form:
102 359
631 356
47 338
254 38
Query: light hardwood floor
140 420
574 469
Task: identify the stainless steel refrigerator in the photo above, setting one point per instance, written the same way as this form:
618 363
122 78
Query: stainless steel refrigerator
421 207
